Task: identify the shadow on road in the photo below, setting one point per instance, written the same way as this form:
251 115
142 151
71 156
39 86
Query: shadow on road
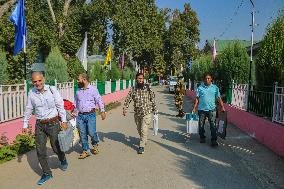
166 114
130 141
173 136
206 166
32 159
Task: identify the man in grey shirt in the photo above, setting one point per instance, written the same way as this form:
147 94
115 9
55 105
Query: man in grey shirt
47 103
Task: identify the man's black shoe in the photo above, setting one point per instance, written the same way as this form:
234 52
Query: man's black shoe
202 140
141 150
214 143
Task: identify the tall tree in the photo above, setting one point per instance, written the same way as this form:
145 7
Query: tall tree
232 64
200 66
138 31
183 35
50 24
270 59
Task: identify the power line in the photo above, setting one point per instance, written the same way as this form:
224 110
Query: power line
231 19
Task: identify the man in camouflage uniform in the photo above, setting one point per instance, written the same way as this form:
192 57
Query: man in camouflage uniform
144 104
179 93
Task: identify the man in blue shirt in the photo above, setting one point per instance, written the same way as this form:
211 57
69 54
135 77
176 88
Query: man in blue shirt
206 96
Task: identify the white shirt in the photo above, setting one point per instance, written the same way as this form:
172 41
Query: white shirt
46 105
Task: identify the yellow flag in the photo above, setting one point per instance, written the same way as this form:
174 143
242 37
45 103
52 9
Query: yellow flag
108 56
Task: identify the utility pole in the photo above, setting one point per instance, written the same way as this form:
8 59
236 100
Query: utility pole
251 47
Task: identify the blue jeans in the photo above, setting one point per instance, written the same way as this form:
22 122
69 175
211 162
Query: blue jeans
211 115
87 126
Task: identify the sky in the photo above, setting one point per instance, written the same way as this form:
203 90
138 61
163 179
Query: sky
229 19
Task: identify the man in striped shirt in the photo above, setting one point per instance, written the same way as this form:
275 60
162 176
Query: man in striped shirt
144 104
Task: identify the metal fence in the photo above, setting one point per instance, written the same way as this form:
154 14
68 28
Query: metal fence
240 96
260 101
278 105
12 101
66 90
13 97
265 101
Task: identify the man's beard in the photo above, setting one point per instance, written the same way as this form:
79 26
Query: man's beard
140 85
81 84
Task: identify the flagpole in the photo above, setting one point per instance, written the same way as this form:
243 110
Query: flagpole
25 58
86 53
25 64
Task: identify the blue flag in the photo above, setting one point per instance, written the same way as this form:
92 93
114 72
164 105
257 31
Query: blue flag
19 20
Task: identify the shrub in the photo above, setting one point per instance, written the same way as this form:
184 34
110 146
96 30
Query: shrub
21 145
96 72
56 66
114 73
126 73
232 64
74 68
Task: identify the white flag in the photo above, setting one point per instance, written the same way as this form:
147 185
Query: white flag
82 53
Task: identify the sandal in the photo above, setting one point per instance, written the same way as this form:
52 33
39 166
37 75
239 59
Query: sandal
84 155
96 149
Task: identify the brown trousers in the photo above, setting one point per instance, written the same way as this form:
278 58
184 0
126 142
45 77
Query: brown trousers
143 124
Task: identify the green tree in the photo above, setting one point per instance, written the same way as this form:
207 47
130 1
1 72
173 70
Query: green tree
126 73
96 72
56 66
201 66
114 73
138 30
74 68
270 58
3 68
232 64
15 63
61 24
182 35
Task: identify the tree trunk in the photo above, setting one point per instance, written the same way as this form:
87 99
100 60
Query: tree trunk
65 13
66 7
4 8
51 11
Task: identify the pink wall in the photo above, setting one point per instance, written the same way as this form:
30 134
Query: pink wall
265 131
12 128
116 96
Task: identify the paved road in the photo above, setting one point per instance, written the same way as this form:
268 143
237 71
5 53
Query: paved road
172 159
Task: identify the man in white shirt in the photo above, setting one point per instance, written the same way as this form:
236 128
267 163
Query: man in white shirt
47 103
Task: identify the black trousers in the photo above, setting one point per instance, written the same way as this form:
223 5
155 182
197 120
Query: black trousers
42 131
211 115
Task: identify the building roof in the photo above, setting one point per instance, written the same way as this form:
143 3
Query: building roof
222 44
